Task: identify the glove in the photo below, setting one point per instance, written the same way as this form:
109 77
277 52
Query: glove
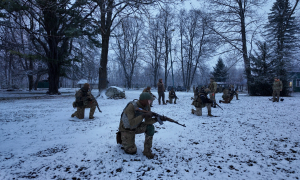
163 118
147 115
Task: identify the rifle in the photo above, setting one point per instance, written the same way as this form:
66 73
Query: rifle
159 117
219 106
94 99
154 96
210 101
98 108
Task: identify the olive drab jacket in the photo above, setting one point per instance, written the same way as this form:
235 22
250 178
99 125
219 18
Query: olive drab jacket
160 87
131 118
172 94
149 91
83 98
213 86
277 85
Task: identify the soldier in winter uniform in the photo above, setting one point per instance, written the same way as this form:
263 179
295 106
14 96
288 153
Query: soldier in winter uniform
226 96
201 101
213 89
132 123
196 91
84 99
277 87
148 90
234 92
172 95
161 91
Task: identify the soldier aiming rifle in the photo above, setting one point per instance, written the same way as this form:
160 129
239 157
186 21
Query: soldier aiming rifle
85 99
137 118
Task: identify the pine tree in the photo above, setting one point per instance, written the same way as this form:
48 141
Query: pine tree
281 31
220 71
262 71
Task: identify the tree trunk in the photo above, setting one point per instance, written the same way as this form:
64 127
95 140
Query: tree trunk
38 76
244 46
103 63
53 72
30 81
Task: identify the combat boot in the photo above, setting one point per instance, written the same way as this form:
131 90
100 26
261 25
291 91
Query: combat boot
91 117
193 111
147 147
148 153
220 101
209 114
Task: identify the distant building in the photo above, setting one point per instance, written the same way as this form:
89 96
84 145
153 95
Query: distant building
294 82
93 83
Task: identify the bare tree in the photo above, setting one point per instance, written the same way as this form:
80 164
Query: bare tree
154 47
196 41
232 19
111 11
168 25
128 46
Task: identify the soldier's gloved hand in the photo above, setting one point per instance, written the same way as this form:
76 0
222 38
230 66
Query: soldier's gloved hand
163 118
147 115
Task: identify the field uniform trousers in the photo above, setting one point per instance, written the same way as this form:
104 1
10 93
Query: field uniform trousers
276 93
128 139
198 111
161 95
80 111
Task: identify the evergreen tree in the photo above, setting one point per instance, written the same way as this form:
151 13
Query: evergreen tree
220 71
53 27
281 31
262 71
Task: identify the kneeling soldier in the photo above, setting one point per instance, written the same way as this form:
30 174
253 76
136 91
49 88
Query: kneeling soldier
172 95
132 123
201 101
226 96
84 99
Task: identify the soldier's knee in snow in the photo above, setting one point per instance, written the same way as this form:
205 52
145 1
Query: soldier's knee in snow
131 150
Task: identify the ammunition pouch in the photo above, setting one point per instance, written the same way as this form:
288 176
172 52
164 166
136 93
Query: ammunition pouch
198 104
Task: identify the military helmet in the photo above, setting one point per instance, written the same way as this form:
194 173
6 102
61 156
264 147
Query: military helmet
145 96
86 86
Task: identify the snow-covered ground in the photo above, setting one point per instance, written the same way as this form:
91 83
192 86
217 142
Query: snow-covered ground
253 138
